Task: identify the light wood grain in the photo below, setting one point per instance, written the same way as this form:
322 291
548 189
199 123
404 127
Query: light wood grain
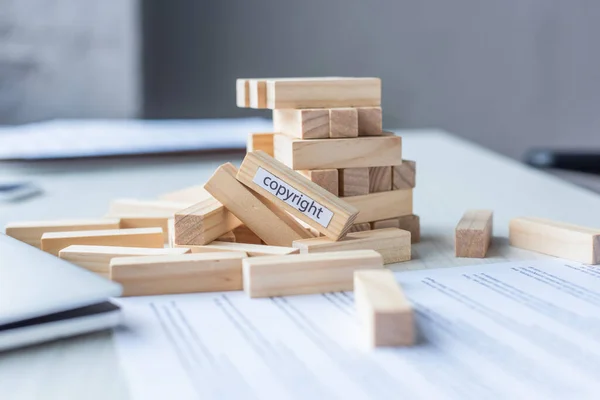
242 93
253 250
404 176
353 181
302 123
260 141
384 205
412 224
328 179
386 223
380 179
258 93
228 237
188 195
473 234
369 121
363 226
243 234
343 123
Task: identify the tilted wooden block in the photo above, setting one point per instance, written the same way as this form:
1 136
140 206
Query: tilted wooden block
189 195
145 208
31 232
260 141
253 250
384 205
555 238
258 93
343 123
354 181
404 175
302 123
53 242
328 179
363 226
243 234
371 151
393 244
297 195
369 121
272 226
385 313
474 233
305 273
242 93
380 179
147 222
185 273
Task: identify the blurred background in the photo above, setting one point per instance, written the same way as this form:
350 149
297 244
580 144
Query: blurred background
509 75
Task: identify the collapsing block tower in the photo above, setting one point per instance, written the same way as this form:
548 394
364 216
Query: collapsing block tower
330 130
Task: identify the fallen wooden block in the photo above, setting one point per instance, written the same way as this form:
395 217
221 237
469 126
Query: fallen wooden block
473 234
343 123
253 250
368 151
305 273
363 226
31 232
295 194
328 179
380 179
147 222
185 273
555 238
189 195
384 311
243 234
384 205
242 97
53 242
369 121
145 208
97 258
404 175
301 123
354 181
260 141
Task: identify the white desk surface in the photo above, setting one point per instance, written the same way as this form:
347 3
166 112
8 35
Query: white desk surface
452 176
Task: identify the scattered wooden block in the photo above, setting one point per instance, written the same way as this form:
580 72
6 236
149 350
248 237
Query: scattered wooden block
258 93
228 237
186 273
53 242
369 121
189 195
354 181
343 123
295 194
243 234
386 223
260 141
305 273
412 224
555 238
302 123
364 226
368 151
380 179
253 250
242 93
384 311
474 233
393 244
97 258
147 222
384 205
144 208
404 175
326 178
31 232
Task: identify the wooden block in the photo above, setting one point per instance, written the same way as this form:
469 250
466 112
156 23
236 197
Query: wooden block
302 123
243 234
53 242
386 223
404 175
189 195
380 179
555 238
369 121
31 232
228 237
412 224
97 258
253 250
328 179
354 181
186 273
146 208
393 244
270 225
384 205
385 313
242 93
147 222
474 233
372 151
258 93
295 194
260 141
343 123
364 226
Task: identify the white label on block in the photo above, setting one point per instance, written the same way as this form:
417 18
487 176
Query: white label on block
293 197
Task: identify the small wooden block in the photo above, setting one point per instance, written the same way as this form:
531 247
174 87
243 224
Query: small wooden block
258 93
384 205
53 242
186 273
295 194
147 222
386 223
364 226
474 233
189 195
380 179
384 311
412 224
31 232
302 123
145 208
242 93
253 250
326 178
228 237
243 234
369 121
404 175
354 181
305 273
371 151
260 141
343 123
393 244
555 238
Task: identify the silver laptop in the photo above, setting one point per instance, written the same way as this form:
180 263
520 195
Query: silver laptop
43 297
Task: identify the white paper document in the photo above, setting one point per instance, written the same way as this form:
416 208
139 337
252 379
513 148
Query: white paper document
520 330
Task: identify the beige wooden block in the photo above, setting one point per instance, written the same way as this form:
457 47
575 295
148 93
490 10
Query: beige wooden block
270 225
354 181
242 93
189 195
473 234
384 205
243 234
53 242
371 151
380 179
302 123
385 313
146 208
228 237
555 238
343 123
412 224
328 179
258 93
97 258
305 273
364 226
185 273
260 141
393 244
386 223
147 222
253 250
369 121
31 232
203 222
295 194
404 175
